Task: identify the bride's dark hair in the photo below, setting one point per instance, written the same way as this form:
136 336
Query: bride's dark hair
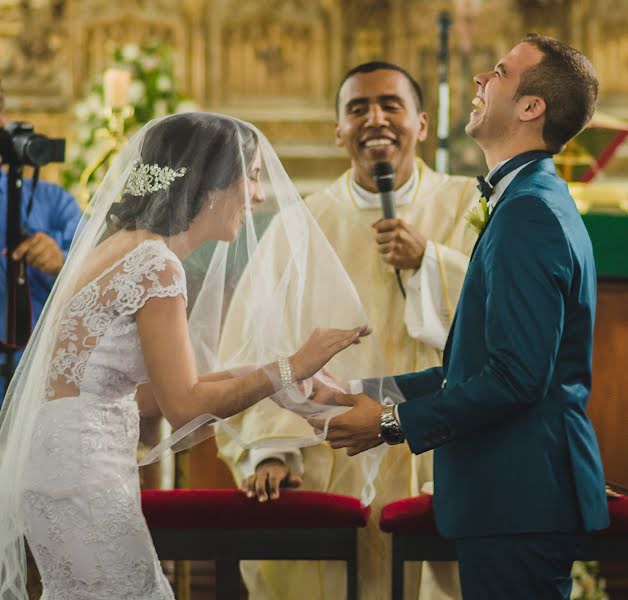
210 148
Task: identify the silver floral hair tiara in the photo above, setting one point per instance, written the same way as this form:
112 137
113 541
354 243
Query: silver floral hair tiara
145 179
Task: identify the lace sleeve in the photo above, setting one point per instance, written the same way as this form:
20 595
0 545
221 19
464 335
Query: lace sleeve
153 271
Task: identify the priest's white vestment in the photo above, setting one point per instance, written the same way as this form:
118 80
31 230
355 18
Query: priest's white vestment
410 335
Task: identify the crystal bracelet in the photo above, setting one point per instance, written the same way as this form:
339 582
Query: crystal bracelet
285 373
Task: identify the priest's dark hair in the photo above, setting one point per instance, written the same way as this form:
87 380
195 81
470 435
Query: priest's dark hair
380 65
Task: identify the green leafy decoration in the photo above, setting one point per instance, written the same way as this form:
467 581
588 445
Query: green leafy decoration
479 220
152 93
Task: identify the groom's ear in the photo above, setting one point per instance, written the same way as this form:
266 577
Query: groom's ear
531 108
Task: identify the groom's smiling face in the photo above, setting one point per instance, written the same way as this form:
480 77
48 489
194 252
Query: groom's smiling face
497 111
379 120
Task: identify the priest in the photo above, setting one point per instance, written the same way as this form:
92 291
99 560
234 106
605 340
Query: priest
408 272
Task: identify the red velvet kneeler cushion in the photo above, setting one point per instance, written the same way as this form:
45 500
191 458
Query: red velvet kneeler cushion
409 515
231 509
618 511
415 516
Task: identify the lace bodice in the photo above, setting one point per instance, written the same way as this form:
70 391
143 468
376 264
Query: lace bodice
97 348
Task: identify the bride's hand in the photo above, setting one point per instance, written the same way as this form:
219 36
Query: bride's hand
321 347
325 389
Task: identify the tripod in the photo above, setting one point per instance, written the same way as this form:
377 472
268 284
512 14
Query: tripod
18 310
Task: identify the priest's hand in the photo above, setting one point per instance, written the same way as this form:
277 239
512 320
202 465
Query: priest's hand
270 475
399 244
42 252
356 430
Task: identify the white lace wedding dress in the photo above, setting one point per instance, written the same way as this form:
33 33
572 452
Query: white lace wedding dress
81 499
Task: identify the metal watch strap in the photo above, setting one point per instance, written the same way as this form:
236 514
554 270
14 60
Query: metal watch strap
390 431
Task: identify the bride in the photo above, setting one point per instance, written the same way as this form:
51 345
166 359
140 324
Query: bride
114 335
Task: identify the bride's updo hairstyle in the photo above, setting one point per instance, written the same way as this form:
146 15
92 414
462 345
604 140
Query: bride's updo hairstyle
184 158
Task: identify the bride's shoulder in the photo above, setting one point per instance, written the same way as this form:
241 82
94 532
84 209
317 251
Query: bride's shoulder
121 257
153 262
148 269
152 253
132 249
154 271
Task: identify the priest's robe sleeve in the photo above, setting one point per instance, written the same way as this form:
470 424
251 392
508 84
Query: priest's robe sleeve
432 291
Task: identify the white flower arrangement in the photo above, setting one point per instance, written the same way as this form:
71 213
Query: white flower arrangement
164 83
152 93
137 92
130 52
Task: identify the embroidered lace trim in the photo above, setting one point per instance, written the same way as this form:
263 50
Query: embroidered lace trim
149 270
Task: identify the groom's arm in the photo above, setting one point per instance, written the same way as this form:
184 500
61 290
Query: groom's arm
528 269
411 385
415 385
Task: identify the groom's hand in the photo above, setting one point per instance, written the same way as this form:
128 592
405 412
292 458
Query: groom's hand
356 430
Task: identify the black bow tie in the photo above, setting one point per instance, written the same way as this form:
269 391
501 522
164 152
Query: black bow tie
486 187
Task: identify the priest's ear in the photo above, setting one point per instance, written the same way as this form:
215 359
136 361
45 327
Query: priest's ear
338 136
423 127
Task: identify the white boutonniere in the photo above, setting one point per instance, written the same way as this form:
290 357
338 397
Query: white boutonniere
478 218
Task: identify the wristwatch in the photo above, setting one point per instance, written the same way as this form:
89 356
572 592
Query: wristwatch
390 431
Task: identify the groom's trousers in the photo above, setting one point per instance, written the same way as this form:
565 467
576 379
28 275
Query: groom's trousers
518 567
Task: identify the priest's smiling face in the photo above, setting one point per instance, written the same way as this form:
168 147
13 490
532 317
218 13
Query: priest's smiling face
379 120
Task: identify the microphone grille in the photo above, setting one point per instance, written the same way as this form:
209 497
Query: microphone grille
384 176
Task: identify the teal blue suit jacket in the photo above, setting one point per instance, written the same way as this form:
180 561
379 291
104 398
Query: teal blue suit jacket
514 449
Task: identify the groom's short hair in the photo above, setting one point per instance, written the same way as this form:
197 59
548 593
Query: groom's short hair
568 83
380 65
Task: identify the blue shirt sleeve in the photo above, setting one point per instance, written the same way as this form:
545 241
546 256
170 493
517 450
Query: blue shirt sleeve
64 215
57 214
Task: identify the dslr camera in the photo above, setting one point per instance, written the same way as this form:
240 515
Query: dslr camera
20 145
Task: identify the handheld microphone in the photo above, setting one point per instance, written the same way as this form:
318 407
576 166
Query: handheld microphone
384 176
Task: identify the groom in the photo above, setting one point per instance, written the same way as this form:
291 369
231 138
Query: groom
518 476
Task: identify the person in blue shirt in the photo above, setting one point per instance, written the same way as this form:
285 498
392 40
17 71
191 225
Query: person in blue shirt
49 226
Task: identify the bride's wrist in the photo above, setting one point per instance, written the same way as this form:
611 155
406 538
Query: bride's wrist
287 375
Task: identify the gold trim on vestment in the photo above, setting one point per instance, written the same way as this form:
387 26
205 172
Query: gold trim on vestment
441 268
414 196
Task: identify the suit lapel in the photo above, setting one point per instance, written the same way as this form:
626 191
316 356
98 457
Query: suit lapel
545 164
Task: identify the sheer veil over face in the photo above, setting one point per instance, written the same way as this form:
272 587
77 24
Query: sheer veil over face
209 187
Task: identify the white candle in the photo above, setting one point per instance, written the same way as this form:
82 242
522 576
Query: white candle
116 85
